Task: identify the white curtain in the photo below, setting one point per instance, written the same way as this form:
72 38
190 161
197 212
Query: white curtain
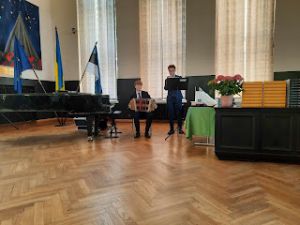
96 23
244 38
162 40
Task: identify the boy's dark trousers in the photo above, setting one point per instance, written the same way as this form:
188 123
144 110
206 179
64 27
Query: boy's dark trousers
175 109
142 115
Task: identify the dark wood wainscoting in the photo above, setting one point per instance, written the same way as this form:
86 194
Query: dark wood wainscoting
258 134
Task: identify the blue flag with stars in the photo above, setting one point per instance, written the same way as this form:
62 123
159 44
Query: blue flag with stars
21 64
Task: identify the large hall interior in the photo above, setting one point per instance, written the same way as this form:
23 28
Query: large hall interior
149 112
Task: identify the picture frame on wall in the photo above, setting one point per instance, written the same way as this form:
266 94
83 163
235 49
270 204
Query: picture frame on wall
19 18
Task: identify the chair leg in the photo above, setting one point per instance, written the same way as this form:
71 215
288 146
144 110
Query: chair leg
133 127
116 132
113 131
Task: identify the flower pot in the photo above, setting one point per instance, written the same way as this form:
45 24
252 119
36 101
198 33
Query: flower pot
227 101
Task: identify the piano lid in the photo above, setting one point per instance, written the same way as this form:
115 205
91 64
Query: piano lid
54 102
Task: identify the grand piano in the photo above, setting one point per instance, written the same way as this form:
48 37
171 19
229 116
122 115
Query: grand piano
71 104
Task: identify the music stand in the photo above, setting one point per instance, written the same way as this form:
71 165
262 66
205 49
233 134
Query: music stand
173 84
176 84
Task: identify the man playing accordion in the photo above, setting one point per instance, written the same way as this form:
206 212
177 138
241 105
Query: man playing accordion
143 106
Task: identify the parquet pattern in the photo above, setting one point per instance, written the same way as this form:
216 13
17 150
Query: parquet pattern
53 176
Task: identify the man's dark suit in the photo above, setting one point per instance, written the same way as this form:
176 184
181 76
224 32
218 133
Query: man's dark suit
138 115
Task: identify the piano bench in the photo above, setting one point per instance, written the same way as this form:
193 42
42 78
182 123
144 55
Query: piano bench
113 131
116 113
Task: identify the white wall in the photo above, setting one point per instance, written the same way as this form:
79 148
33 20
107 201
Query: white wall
64 16
128 38
60 13
287 36
200 34
47 41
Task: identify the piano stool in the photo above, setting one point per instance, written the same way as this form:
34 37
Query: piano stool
113 132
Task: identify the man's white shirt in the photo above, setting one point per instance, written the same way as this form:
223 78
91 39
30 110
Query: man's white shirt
138 94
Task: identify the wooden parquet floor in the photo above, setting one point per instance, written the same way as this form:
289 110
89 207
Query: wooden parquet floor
53 176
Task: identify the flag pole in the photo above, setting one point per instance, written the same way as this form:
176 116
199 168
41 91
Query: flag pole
9 121
82 76
41 84
37 77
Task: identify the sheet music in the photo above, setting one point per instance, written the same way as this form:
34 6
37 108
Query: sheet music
203 98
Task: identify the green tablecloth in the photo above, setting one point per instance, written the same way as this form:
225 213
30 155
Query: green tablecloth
200 121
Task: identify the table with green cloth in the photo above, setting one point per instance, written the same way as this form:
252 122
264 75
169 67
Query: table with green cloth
200 121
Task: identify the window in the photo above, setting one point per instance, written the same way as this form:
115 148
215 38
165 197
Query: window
96 23
162 40
244 38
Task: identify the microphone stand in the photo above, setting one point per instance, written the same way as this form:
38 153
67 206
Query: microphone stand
170 135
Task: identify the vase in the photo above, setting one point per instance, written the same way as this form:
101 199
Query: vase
227 101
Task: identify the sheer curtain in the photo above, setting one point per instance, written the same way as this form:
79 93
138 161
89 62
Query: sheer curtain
96 23
162 40
244 38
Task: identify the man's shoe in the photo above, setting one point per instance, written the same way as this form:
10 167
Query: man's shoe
180 131
171 132
147 135
137 135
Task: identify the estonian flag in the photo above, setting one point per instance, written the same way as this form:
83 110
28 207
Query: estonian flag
92 81
58 70
21 63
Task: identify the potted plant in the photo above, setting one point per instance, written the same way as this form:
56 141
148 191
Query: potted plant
227 86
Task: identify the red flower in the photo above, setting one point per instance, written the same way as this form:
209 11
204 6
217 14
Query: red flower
9 56
31 59
238 77
229 78
40 64
220 78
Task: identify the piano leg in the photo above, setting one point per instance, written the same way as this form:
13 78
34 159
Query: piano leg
96 125
89 122
61 118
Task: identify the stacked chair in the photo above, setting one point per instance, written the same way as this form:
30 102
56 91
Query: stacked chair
294 93
271 94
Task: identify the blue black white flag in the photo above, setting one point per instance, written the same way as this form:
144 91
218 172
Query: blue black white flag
92 78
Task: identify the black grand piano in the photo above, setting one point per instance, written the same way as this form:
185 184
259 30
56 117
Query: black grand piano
72 104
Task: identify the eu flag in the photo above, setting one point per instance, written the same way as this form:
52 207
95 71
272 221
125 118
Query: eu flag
59 73
21 64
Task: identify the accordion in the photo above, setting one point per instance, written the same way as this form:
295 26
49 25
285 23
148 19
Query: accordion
142 105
